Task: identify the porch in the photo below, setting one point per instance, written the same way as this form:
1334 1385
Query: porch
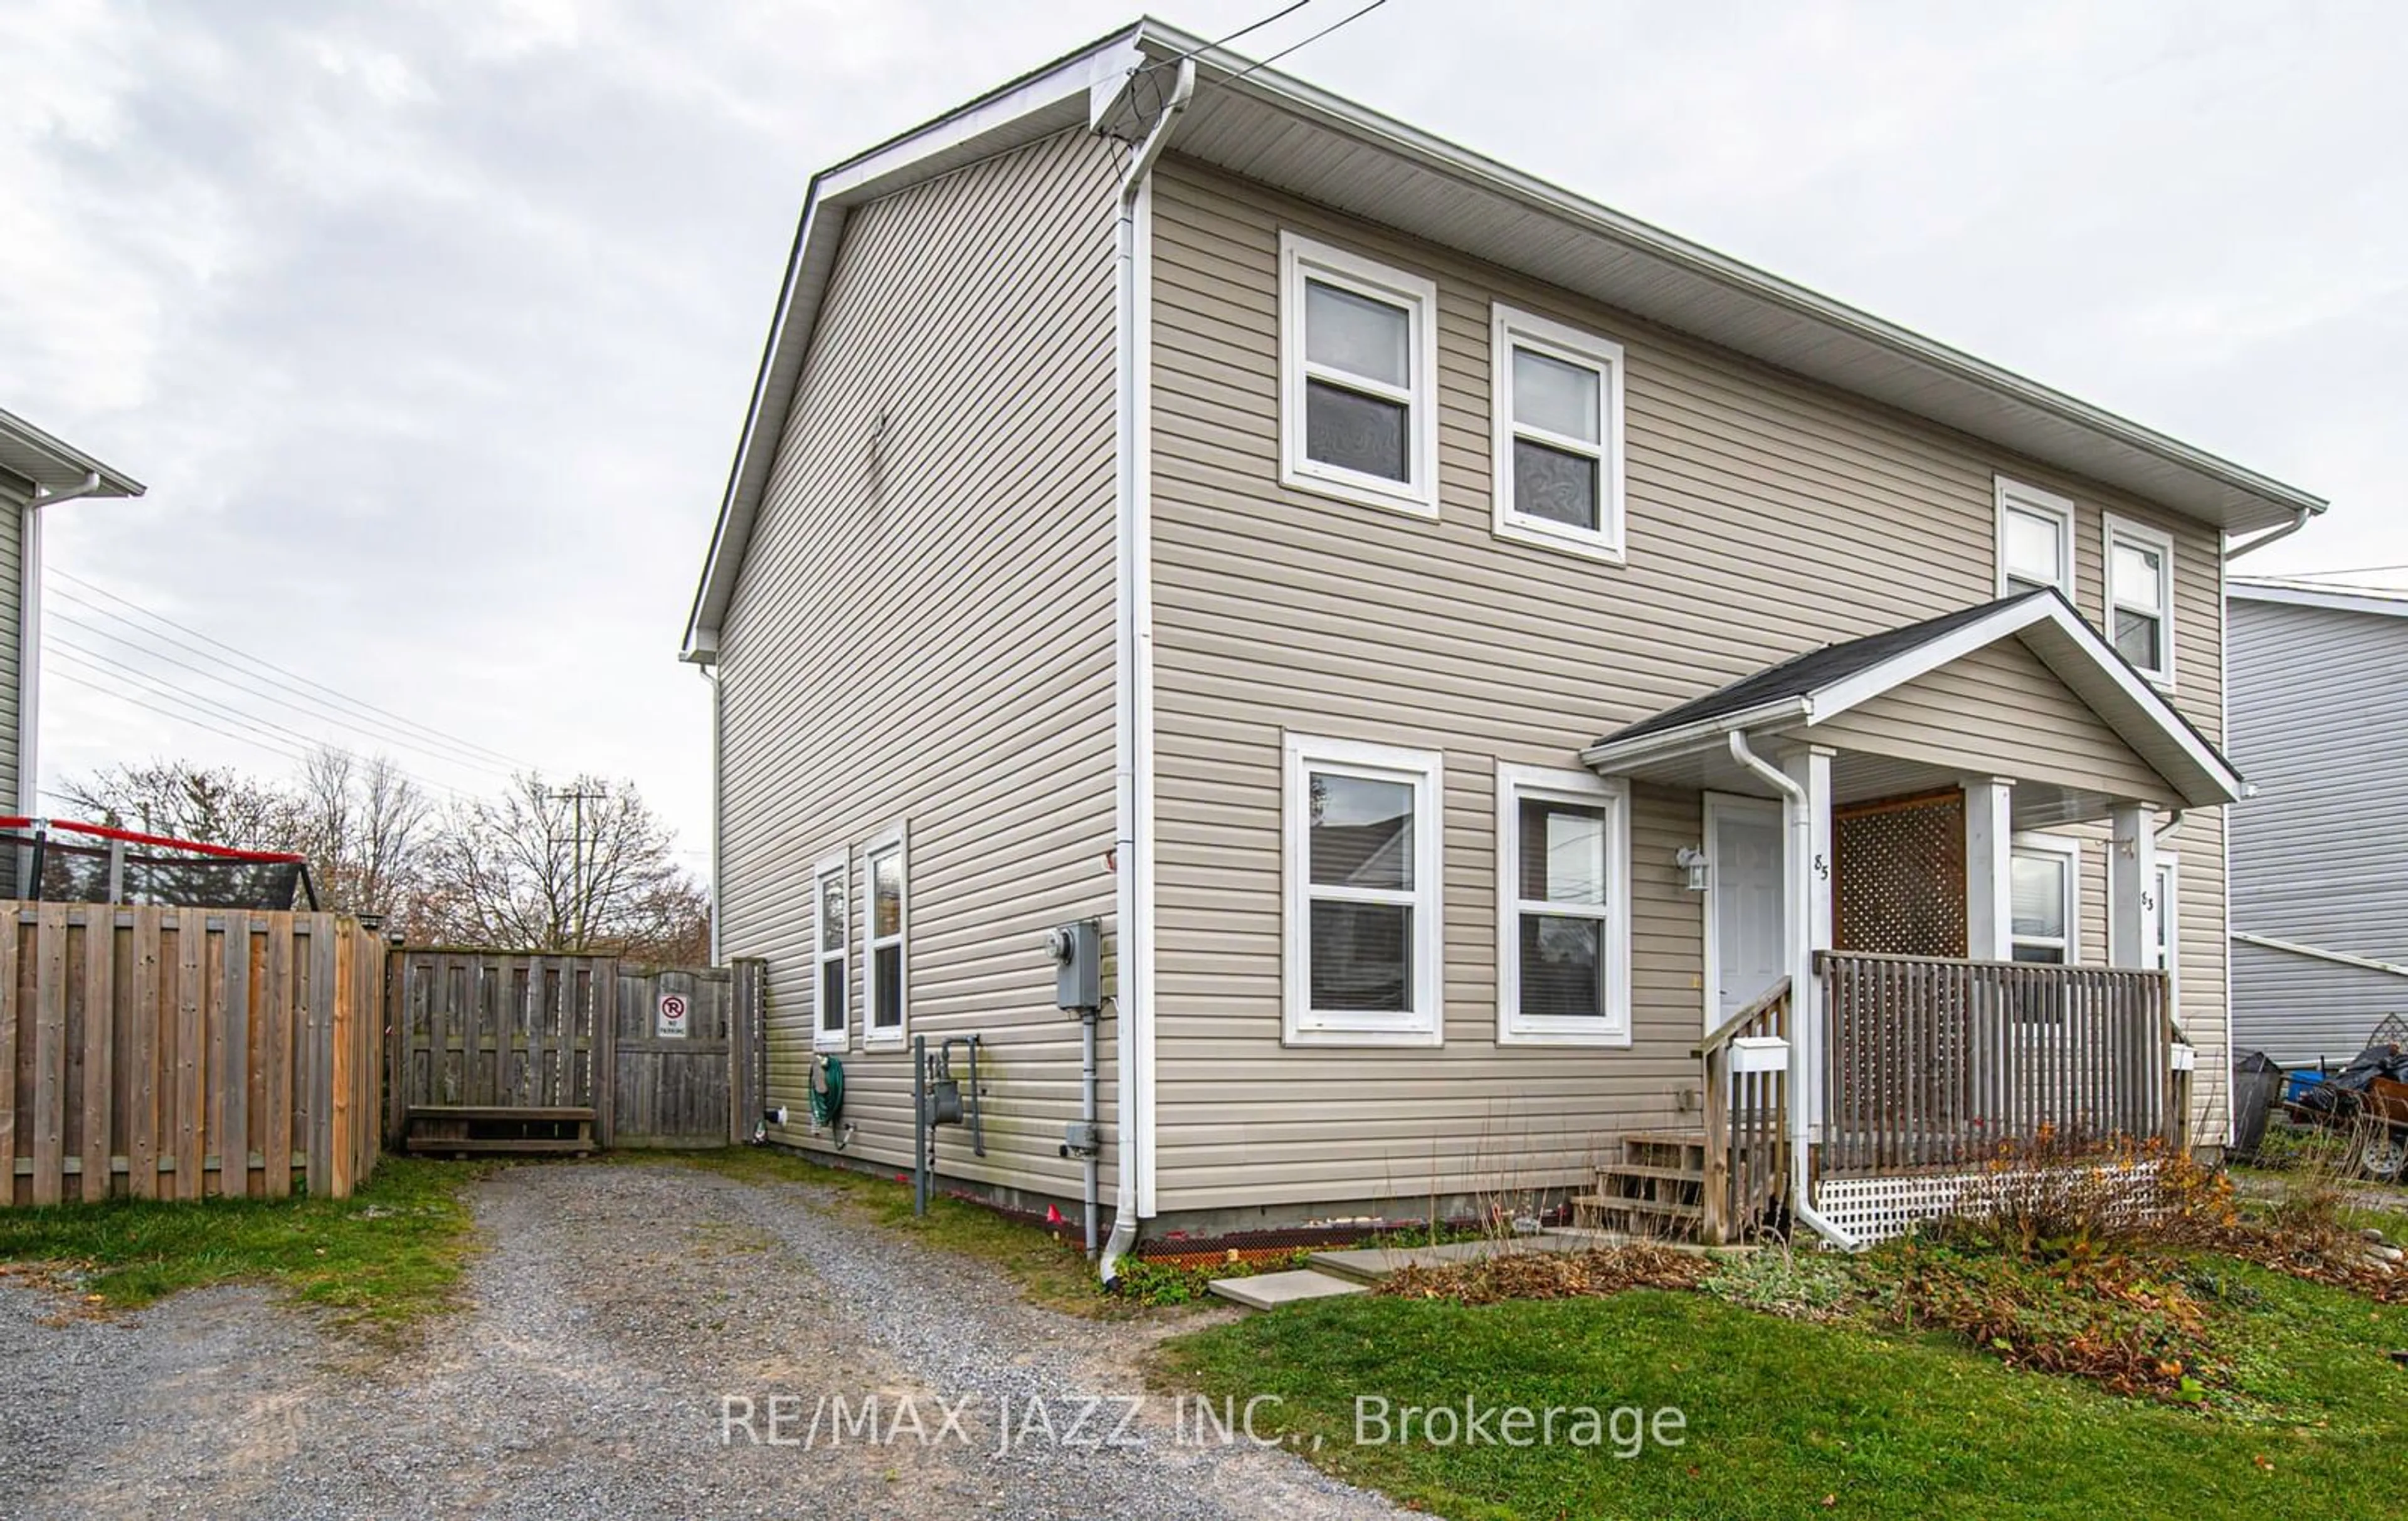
1898 990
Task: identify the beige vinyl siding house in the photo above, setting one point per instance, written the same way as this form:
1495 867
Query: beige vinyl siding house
1764 516
1436 669
921 644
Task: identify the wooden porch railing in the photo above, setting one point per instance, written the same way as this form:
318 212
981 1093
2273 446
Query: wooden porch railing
1934 1064
1747 1121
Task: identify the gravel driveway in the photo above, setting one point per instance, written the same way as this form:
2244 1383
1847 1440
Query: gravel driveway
616 1307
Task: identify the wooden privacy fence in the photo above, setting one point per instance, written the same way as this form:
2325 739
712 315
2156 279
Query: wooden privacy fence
168 1053
499 1031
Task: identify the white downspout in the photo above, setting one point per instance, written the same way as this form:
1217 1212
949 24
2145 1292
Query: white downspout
29 641
1797 893
2298 521
1133 1041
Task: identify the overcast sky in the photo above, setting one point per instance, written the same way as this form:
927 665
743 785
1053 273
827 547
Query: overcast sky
430 326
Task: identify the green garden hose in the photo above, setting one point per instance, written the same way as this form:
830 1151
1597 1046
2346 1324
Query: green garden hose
827 1091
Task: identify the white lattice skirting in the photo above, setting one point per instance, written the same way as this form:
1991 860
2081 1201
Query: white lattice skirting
1876 1209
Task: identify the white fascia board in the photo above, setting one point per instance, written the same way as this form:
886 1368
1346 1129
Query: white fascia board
2376 601
1020 111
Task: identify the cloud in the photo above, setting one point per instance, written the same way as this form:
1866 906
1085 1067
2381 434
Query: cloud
432 326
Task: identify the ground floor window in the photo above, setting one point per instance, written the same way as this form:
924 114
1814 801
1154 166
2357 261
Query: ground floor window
830 935
1362 881
1563 941
885 988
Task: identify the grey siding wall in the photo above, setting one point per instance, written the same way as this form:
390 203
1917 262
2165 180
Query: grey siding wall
923 633
2320 855
12 592
1765 515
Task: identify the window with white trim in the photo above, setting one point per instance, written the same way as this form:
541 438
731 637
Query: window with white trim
1556 420
1363 894
885 989
830 934
1358 409
2165 953
2045 880
2035 539
1563 943
2140 597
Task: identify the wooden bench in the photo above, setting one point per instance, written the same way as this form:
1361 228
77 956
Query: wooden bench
461 1129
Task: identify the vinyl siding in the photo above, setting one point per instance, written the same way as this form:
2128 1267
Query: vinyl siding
12 608
1765 515
923 634
2320 854
1999 708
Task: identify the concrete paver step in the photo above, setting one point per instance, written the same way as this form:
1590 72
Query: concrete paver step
1269 1290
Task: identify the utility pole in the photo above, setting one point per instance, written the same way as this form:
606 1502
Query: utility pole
575 798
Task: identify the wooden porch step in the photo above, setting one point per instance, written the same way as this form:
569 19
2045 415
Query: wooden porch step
1636 1216
1666 1137
1634 1170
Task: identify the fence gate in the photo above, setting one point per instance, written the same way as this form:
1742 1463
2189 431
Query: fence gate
662 1058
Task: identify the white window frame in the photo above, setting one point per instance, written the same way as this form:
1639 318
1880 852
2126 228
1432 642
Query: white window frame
1510 327
2016 496
2169 891
892 840
2140 536
2071 849
838 866
1301 258
1515 785
1425 770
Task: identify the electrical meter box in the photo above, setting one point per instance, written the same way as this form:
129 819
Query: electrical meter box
1078 952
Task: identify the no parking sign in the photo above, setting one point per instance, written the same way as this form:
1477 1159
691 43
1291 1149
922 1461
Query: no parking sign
670 1024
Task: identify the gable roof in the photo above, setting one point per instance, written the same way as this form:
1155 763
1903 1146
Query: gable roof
1278 131
1823 683
54 468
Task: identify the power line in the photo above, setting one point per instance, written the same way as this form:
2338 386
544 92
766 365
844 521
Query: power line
1253 26
1265 62
141 640
336 692
252 740
168 691
2348 570
336 718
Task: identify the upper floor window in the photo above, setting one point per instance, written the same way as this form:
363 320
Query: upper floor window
1563 944
883 972
1556 421
829 935
2140 597
1362 892
1358 409
2035 539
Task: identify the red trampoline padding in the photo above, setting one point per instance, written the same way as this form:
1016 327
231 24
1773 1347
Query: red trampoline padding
133 837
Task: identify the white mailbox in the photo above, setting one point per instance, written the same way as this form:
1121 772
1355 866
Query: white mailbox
2186 1059
1759 1053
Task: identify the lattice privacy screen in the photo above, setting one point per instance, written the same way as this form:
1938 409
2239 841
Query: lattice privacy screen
1898 879
1876 1209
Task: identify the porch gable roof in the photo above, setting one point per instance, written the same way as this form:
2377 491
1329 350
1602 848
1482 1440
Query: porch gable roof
1823 683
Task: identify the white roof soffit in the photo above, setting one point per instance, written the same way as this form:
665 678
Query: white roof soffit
2388 602
1272 128
2065 643
28 454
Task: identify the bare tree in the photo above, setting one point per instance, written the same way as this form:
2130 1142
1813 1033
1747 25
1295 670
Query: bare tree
584 867
361 823
214 806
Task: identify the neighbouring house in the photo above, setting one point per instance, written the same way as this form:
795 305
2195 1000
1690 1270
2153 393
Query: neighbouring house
36 472
2320 680
1537 706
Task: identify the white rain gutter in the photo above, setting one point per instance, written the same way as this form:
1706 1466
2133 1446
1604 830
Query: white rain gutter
1132 741
2300 517
29 640
2319 952
1798 894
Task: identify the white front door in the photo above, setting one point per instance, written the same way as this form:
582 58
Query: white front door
1745 927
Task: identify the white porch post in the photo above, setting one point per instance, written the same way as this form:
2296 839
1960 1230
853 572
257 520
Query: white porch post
1809 920
2132 888
1989 853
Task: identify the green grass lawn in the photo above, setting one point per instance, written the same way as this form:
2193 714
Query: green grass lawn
377 1261
1787 1418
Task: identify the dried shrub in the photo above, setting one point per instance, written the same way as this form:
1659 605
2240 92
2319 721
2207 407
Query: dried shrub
1548 1275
